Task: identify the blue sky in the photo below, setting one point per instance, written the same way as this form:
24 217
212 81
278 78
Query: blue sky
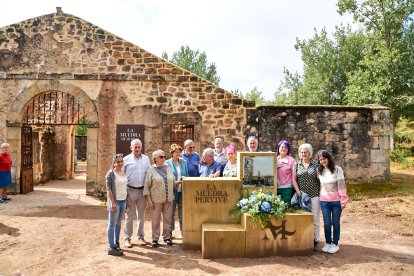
249 41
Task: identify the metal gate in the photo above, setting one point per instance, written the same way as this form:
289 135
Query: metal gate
26 177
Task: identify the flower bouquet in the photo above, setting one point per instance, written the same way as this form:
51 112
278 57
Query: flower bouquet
262 207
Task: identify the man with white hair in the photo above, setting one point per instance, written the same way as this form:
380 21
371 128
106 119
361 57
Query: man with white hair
192 157
208 167
252 144
219 153
136 165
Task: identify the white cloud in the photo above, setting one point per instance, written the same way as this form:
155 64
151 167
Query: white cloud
250 41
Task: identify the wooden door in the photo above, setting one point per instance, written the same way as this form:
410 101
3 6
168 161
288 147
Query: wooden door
26 175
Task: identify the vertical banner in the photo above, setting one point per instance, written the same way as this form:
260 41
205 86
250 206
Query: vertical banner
125 134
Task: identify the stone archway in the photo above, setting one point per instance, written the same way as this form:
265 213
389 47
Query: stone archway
14 124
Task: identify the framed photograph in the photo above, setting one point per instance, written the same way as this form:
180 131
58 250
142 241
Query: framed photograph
257 170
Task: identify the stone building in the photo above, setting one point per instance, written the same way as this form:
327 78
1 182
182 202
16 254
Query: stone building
57 68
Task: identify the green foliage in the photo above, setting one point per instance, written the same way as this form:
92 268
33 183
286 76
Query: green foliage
404 132
262 207
195 62
399 155
373 65
252 95
82 128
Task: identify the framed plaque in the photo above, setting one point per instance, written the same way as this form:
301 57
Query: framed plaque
257 170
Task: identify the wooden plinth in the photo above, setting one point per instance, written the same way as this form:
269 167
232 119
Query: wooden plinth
291 236
207 200
223 241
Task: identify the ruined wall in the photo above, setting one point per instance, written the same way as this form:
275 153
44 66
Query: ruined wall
124 83
358 137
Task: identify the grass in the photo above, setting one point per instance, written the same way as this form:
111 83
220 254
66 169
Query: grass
401 183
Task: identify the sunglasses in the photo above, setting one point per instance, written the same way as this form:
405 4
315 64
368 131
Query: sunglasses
162 156
190 147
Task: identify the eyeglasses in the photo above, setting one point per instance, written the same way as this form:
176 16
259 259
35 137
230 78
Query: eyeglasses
191 147
162 156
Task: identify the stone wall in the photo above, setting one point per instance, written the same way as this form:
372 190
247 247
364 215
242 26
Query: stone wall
358 137
117 81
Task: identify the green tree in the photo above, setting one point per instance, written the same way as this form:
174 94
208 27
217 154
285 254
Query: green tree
327 62
195 62
373 65
82 128
385 75
252 95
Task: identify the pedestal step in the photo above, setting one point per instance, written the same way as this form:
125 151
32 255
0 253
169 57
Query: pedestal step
223 241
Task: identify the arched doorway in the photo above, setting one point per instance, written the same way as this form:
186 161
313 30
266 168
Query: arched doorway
49 117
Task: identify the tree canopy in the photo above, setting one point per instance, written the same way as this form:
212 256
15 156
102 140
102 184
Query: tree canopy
195 62
372 65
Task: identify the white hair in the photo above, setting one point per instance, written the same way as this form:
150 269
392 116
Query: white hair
136 142
157 153
308 147
4 145
188 142
209 151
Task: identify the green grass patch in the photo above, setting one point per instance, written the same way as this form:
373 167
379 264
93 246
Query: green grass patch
374 190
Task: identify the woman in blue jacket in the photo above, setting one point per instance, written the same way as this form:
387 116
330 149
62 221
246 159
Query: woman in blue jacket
180 170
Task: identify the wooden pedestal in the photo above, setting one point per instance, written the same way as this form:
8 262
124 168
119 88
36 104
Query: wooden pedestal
291 236
207 200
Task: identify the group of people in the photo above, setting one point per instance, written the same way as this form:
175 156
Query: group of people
320 180
133 184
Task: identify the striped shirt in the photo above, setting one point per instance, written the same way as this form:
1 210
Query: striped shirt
135 169
333 186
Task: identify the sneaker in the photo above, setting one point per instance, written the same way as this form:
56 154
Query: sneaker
315 246
325 249
168 242
6 198
128 243
333 249
115 252
118 246
154 244
3 201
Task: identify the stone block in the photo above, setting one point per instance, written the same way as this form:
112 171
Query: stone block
380 155
381 142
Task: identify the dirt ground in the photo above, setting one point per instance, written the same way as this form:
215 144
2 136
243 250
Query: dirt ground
57 230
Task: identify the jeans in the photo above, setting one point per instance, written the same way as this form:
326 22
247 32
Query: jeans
178 201
114 223
331 212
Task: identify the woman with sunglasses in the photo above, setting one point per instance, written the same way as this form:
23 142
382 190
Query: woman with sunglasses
158 191
333 199
116 187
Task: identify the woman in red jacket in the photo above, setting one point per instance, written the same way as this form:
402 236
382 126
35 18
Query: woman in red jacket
5 172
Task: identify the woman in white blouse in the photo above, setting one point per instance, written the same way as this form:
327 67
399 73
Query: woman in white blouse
116 187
